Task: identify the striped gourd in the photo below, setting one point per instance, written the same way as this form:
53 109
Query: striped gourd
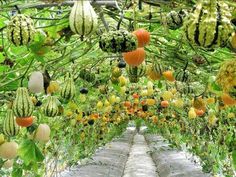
83 19
22 105
10 128
20 30
175 19
68 90
182 76
138 71
157 68
209 24
50 107
118 41
134 73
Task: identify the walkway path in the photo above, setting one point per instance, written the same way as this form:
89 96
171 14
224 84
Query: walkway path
137 155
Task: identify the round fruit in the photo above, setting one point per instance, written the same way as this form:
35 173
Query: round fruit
228 100
50 107
24 121
121 64
84 90
192 114
8 164
206 14
8 150
134 58
199 112
116 72
122 81
42 133
10 128
143 37
118 41
167 95
168 75
53 87
20 30
151 102
164 104
22 105
36 82
68 91
83 19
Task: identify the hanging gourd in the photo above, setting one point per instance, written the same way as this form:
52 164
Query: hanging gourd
154 71
10 128
20 30
68 90
143 37
51 106
36 83
134 58
209 24
134 73
226 76
22 106
182 76
175 19
118 41
83 19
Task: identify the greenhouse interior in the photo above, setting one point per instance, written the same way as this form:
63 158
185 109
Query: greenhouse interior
117 88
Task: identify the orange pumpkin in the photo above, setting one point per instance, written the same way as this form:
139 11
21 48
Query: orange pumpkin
164 104
143 37
135 95
168 75
24 122
228 100
199 112
127 104
134 58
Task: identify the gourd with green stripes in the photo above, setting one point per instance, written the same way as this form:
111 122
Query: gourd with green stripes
157 68
134 73
118 41
68 90
22 105
209 24
175 19
182 76
10 128
20 30
50 107
83 19
87 75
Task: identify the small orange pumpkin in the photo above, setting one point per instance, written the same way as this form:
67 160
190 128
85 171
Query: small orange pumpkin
228 100
24 122
199 112
168 75
143 37
164 104
134 58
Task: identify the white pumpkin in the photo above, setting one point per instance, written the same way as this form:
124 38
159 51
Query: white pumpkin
35 84
42 133
8 150
8 164
83 19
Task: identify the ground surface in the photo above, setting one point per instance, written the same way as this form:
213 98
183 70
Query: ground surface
137 155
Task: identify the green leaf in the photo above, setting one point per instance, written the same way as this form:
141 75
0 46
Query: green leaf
1 58
159 85
29 152
234 158
17 172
